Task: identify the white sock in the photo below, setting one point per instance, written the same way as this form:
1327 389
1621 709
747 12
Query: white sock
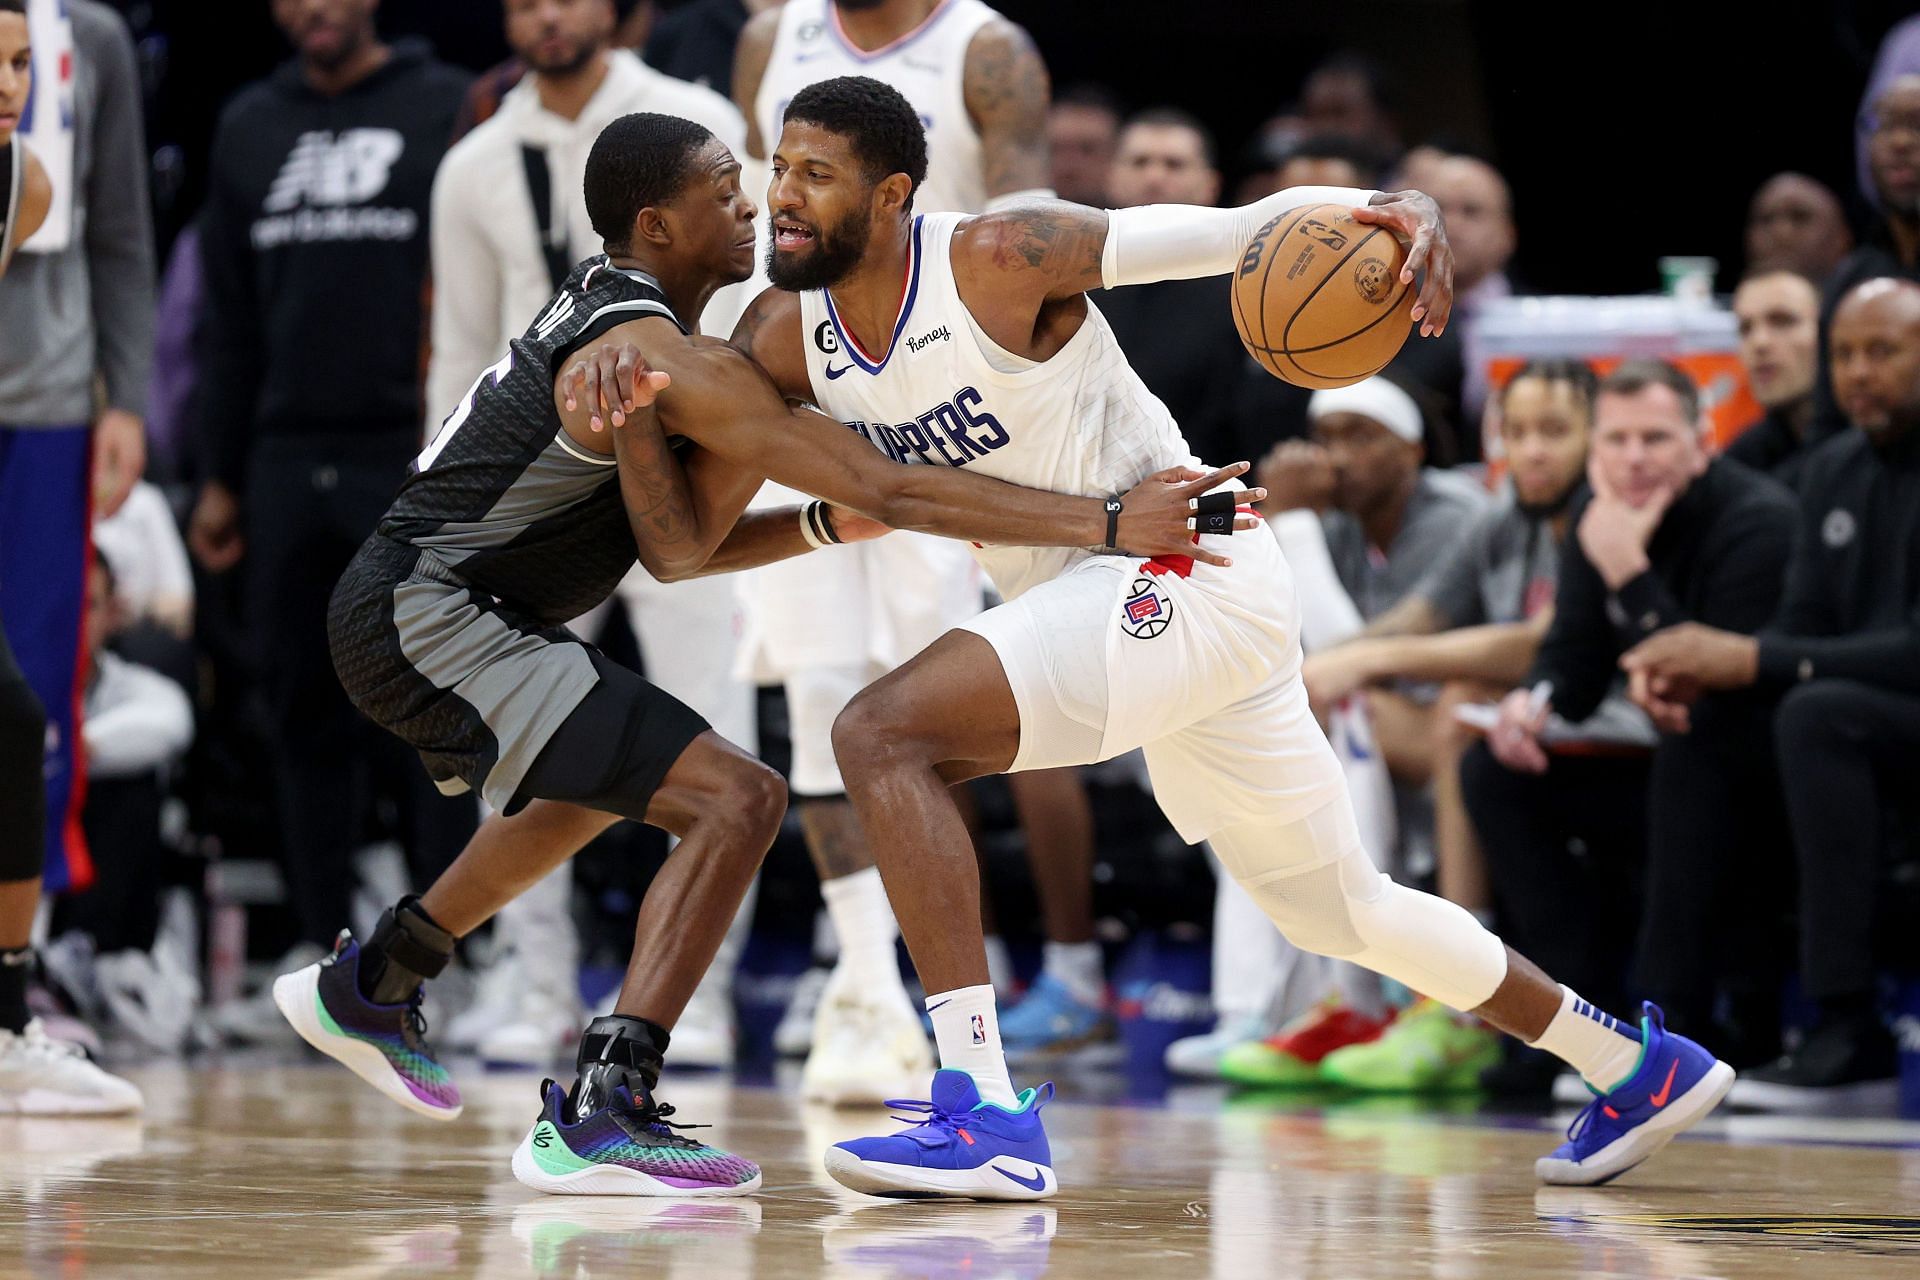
1602 1049
999 963
1076 966
863 920
826 943
967 1029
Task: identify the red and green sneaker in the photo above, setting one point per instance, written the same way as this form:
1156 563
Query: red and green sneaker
1292 1058
1429 1049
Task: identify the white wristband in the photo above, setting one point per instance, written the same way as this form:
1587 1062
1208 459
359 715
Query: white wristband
806 529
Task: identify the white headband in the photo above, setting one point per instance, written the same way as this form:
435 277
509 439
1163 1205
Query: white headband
1374 398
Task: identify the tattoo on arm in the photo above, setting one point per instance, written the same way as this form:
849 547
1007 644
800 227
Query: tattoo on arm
1063 242
659 503
1006 93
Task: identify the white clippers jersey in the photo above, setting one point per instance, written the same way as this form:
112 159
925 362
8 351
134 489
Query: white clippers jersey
1080 423
925 65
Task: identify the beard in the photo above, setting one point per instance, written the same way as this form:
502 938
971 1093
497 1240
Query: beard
568 63
833 256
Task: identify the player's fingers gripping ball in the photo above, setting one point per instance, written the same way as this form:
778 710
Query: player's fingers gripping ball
1318 297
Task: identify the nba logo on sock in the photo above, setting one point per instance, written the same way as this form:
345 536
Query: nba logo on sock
979 1029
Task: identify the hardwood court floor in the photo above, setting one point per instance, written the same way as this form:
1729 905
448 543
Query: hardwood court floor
301 1171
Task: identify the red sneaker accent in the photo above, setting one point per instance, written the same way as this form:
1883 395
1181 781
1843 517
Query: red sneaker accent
1660 1099
965 1136
1333 1028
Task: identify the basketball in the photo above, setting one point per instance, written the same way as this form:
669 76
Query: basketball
1317 297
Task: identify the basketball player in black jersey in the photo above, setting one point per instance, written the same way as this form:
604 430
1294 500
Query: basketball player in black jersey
447 629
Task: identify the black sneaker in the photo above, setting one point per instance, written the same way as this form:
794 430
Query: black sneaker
1842 1065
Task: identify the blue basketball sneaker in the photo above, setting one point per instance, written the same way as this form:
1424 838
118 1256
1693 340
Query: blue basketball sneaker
1676 1083
964 1149
1050 1021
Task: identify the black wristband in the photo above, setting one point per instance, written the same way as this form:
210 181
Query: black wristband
1113 523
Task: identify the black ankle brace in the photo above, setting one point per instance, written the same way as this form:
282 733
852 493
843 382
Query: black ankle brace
16 966
617 1050
406 949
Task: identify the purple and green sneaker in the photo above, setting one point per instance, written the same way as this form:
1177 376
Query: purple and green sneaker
1676 1084
383 1044
626 1148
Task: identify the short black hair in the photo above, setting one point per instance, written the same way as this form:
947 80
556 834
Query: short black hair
883 127
14 6
639 161
1636 375
1351 62
1362 155
1570 370
1174 117
1094 97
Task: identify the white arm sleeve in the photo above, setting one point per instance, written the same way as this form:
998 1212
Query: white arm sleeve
1184 241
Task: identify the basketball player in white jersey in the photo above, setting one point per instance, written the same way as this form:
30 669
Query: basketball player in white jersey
969 342
980 89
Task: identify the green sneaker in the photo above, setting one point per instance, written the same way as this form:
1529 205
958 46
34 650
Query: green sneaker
1427 1050
1292 1059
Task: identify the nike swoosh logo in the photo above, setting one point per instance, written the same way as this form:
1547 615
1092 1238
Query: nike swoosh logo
833 373
943 1004
1038 1182
1660 1099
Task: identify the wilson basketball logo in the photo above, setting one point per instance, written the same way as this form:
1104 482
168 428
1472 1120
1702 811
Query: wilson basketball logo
1147 611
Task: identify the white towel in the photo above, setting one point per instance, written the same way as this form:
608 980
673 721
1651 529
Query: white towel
48 126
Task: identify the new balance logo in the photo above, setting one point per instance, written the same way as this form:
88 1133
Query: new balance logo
325 169
324 185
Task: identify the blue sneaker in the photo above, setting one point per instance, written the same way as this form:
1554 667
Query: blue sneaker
965 1149
1676 1083
1051 1021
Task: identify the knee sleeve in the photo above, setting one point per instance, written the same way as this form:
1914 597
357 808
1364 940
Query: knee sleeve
23 802
1342 906
815 699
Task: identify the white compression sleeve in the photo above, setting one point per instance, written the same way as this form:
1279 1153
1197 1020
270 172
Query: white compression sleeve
1184 241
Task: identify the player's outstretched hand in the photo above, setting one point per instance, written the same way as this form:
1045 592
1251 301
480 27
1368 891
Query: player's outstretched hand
1155 514
612 380
1415 218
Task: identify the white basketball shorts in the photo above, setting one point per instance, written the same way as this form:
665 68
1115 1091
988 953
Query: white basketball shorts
1198 665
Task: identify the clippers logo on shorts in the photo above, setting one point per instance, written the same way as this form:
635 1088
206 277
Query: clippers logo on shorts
979 1029
1147 610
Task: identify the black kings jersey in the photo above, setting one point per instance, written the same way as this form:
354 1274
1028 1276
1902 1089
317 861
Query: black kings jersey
502 495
